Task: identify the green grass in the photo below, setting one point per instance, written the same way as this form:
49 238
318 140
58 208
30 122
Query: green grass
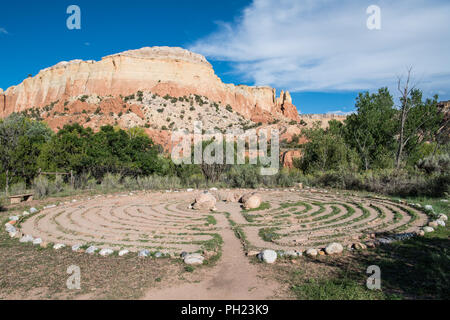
263 206
269 234
189 268
211 220
334 289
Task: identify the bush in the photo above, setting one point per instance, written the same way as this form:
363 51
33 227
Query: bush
18 188
243 176
111 181
41 187
390 182
2 202
435 164
158 183
284 179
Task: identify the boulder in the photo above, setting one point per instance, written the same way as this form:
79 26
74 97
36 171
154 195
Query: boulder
144 253
359 246
293 254
433 224
252 202
268 256
252 253
14 218
59 246
26 238
158 254
76 247
420 233
205 201
440 223
106 252
123 252
311 252
246 196
10 228
33 210
91 250
194 259
37 241
334 248
428 229
442 217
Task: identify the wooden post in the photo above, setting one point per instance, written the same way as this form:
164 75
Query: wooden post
72 179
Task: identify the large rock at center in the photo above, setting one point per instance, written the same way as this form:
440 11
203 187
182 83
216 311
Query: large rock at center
252 202
205 201
247 196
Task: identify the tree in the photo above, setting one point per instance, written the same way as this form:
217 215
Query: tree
326 150
418 119
67 150
21 141
371 129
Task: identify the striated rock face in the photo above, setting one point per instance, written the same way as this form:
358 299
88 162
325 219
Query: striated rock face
161 70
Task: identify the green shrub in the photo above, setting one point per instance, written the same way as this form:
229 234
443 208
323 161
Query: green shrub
41 187
111 181
18 188
435 164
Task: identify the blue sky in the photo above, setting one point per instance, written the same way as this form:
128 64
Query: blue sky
320 50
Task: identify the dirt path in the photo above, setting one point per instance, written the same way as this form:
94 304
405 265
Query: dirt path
233 278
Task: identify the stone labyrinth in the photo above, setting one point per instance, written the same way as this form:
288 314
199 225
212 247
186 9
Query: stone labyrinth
313 220
124 222
296 220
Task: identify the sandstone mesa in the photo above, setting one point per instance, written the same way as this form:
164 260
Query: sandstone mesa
162 70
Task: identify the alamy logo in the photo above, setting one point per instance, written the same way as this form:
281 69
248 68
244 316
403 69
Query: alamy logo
74 281
374 281
374 20
74 20
213 147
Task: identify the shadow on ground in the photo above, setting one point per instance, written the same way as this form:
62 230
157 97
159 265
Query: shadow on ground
418 268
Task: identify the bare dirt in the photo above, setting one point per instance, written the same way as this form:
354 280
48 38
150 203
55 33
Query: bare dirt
161 222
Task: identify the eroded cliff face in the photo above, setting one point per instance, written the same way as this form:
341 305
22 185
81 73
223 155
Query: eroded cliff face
161 70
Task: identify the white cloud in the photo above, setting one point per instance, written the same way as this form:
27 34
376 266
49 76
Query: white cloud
341 113
325 45
3 31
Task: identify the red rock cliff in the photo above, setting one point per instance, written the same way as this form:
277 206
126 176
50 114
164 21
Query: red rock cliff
161 70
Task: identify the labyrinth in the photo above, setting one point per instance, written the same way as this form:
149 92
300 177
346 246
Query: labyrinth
313 220
295 220
156 222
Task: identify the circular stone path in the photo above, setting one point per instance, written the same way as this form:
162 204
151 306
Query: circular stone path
162 221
